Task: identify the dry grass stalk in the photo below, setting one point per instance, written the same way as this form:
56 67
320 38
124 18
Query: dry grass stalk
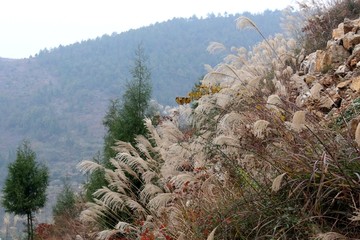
276 185
357 135
330 236
212 234
218 182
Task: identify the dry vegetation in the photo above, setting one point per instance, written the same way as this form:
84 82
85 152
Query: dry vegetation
323 16
249 163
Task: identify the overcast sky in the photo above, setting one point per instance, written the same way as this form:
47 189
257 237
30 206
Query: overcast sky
28 26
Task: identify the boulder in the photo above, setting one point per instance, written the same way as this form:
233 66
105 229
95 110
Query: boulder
329 100
315 90
341 70
308 64
347 25
344 84
309 79
350 40
353 124
299 84
322 61
338 33
327 80
335 54
355 84
326 104
356 25
354 58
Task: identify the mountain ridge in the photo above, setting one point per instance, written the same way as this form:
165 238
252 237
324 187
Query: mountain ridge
58 98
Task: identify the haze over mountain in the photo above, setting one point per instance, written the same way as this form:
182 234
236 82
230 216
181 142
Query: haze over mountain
42 24
57 99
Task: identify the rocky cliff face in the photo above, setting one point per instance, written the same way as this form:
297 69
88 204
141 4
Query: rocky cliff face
328 81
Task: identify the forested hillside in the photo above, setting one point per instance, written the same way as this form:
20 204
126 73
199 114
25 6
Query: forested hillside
58 98
103 63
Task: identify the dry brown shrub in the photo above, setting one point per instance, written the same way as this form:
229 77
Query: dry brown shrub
321 17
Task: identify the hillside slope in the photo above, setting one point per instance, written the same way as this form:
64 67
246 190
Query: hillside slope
272 152
58 98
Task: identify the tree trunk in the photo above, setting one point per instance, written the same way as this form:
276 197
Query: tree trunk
7 232
30 226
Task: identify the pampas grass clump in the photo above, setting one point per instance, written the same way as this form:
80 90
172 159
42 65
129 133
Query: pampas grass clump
252 166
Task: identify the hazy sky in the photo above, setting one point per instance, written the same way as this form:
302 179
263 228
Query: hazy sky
28 26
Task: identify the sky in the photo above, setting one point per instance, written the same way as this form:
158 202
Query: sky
27 26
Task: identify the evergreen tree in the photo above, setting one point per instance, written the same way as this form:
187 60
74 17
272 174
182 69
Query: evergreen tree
136 98
65 202
24 191
112 122
124 119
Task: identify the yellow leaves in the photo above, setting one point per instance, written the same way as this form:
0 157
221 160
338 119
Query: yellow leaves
197 93
182 100
281 116
215 89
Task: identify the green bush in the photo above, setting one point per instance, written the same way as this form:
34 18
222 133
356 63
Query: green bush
65 202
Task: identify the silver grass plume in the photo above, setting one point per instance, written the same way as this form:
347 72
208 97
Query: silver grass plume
113 200
153 134
356 216
88 166
161 200
185 178
298 121
149 191
357 135
226 140
259 128
276 184
244 22
136 163
330 236
215 47
170 133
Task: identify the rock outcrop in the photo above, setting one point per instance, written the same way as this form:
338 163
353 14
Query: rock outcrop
328 81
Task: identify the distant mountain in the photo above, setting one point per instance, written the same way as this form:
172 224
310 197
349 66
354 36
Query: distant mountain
58 98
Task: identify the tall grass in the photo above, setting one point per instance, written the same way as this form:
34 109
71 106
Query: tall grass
253 165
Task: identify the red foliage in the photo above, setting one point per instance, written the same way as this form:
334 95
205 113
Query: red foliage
43 231
148 235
